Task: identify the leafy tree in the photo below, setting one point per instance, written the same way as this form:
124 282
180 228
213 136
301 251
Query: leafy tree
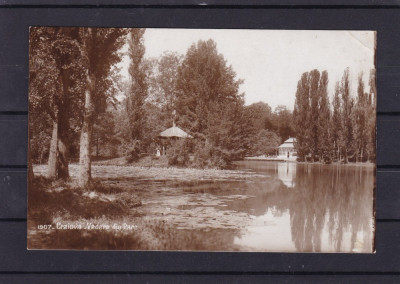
265 142
55 88
122 132
209 105
283 122
260 115
164 81
103 134
154 123
204 80
228 134
100 49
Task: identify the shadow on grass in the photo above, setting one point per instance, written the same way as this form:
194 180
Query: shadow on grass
55 202
46 198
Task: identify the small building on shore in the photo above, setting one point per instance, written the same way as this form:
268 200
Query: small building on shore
169 135
287 150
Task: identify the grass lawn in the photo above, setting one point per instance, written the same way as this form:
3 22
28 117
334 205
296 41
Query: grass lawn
132 208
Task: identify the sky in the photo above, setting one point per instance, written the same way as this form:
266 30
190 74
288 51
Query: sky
271 61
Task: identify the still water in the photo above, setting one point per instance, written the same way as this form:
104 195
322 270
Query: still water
260 206
310 208
280 207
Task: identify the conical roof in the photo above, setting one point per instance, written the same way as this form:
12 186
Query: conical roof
288 143
175 131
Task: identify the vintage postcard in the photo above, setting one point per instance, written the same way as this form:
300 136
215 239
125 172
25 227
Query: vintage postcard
201 140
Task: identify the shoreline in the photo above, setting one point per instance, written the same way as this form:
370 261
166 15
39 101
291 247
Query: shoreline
155 173
368 164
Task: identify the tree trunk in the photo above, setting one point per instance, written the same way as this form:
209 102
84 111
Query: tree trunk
58 154
63 129
85 141
52 164
362 154
62 148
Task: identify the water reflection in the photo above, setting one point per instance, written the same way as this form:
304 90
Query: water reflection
317 208
287 173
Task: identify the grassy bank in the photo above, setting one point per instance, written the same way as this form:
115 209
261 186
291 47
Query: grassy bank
111 213
102 217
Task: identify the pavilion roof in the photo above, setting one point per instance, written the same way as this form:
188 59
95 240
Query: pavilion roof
175 131
289 143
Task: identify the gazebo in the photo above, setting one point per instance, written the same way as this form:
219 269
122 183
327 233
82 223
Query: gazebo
287 150
171 134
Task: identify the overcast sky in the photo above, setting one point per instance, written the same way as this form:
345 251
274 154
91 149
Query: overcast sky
272 61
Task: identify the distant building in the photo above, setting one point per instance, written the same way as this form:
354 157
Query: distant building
167 136
287 151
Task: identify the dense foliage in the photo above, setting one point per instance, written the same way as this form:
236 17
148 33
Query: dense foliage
345 132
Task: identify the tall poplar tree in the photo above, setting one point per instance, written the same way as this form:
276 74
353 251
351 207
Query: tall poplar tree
347 115
360 119
371 117
337 121
324 118
302 116
314 112
138 89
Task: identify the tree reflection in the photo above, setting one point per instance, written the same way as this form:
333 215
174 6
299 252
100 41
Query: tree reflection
329 208
340 196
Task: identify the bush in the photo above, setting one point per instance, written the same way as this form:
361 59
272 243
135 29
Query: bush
133 152
178 153
207 156
202 156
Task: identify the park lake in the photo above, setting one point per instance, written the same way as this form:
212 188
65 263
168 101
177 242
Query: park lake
258 206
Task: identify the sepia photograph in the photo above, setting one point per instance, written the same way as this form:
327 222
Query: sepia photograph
226 140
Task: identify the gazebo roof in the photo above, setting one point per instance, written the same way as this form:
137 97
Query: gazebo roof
175 131
289 143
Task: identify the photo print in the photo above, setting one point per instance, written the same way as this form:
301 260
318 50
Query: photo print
201 140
